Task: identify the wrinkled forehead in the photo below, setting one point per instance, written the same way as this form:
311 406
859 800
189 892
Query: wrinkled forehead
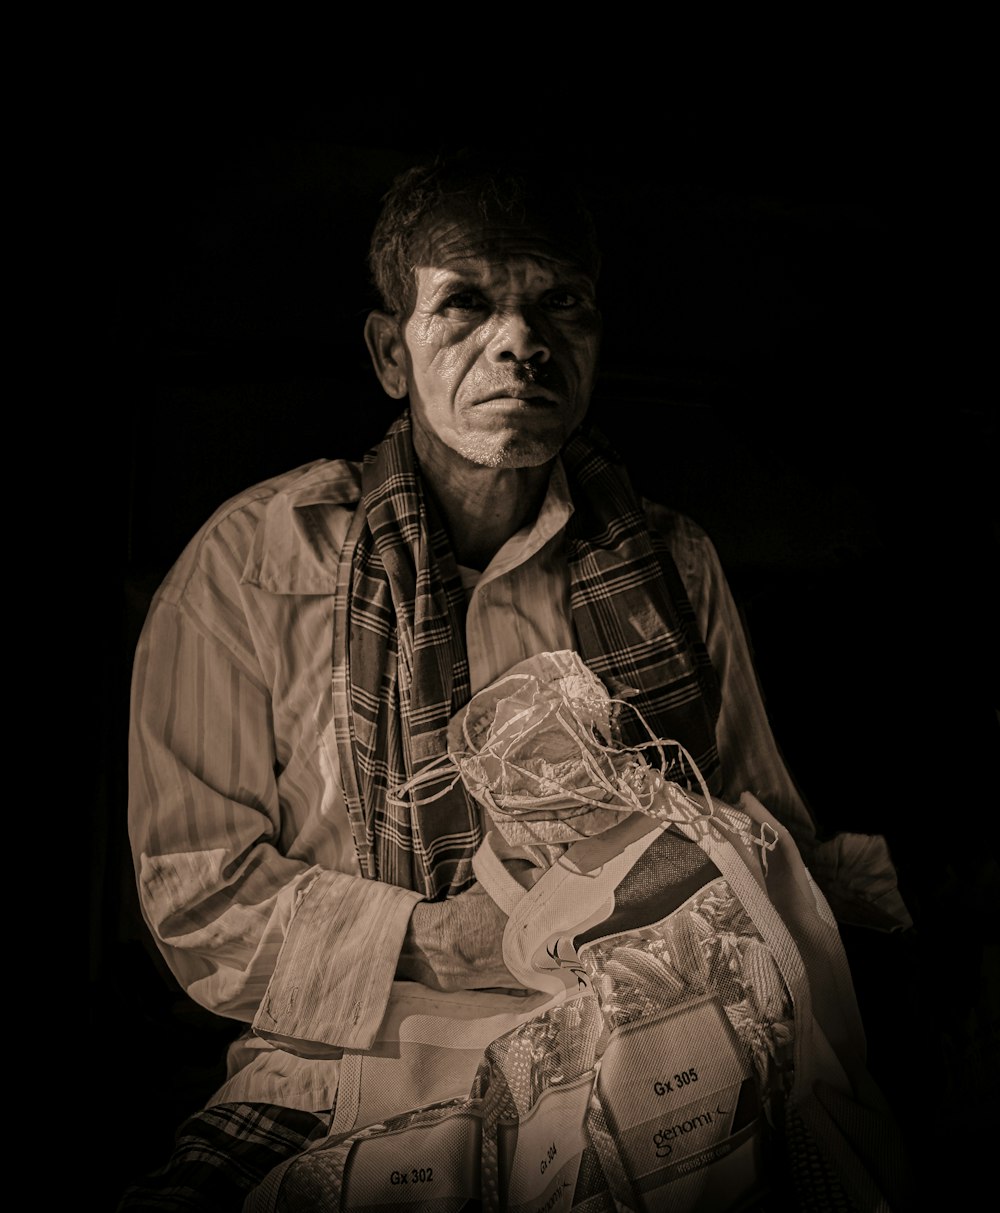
459 237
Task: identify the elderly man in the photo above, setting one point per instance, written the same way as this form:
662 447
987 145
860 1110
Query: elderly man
305 654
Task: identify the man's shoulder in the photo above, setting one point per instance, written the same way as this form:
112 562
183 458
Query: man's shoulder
330 481
692 548
675 527
690 545
267 534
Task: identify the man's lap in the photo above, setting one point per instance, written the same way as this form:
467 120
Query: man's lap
221 1153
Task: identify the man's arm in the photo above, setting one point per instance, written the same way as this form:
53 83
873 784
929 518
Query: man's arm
855 871
246 865
456 944
748 752
248 887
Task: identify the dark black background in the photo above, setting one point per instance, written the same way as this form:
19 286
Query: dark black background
775 363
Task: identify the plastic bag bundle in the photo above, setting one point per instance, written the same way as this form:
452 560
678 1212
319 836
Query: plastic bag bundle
538 749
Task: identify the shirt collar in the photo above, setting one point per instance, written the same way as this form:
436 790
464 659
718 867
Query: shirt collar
297 542
296 545
555 512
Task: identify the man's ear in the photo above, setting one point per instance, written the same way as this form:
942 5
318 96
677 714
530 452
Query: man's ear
385 344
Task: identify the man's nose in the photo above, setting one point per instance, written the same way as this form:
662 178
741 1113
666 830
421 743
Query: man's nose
517 340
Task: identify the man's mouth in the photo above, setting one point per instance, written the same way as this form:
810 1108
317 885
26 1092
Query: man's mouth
527 393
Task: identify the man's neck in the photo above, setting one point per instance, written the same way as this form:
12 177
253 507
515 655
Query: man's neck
483 507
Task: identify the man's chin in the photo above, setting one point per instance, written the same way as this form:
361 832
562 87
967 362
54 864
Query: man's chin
495 451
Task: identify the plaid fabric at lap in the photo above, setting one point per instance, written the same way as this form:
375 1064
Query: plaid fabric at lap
401 670
220 1154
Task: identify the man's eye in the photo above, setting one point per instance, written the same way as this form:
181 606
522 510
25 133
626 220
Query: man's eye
464 301
562 301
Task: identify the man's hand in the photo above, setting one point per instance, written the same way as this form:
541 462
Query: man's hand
456 944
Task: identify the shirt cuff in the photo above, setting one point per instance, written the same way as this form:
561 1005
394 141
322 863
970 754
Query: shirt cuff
335 969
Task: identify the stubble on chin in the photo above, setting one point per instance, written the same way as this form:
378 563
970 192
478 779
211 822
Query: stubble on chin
495 451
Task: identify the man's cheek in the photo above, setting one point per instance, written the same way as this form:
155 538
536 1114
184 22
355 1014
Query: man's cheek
583 354
450 363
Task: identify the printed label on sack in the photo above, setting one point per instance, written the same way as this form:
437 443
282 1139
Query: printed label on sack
670 1087
419 1165
714 1177
541 1155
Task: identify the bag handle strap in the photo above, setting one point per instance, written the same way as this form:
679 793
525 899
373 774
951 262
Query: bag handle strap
813 1055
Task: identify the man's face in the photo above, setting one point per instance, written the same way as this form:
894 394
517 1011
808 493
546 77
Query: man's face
501 345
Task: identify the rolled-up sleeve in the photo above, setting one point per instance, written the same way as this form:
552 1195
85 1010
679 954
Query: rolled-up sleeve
322 998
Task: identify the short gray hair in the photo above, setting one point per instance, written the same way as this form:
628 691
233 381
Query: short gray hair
471 184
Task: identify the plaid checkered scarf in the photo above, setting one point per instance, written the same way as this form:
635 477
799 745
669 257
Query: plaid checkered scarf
401 670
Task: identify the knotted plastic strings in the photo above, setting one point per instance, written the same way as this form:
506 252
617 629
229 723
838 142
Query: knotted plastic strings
538 749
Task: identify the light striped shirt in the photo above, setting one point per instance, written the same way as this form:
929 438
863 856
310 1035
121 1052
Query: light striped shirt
245 860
